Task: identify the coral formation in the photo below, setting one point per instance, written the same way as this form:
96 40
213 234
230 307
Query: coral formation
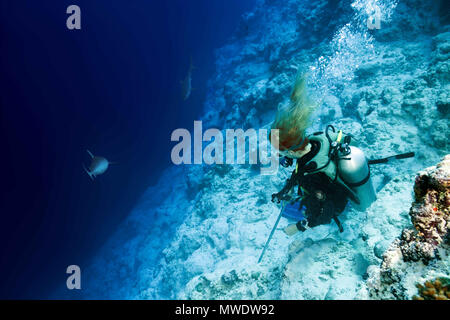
438 289
423 249
430 213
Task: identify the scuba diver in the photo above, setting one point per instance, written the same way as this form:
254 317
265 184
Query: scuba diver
322 194
329 169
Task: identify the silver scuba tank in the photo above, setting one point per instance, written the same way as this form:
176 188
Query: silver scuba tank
354 171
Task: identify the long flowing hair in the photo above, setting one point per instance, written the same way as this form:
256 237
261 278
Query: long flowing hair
293 119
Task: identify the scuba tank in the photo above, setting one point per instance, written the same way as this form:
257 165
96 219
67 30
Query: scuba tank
344 163
353 169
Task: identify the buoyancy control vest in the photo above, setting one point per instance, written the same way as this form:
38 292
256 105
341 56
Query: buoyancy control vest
344 163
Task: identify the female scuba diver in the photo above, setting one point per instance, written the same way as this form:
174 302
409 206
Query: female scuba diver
329 170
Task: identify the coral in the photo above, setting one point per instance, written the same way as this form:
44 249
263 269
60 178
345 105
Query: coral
437 289
430 213
423 250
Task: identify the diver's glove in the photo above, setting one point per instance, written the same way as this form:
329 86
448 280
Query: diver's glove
279 196
286 162
302 225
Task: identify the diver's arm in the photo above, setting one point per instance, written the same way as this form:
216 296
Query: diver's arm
283 194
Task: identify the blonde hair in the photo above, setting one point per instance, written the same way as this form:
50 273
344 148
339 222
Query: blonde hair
292 120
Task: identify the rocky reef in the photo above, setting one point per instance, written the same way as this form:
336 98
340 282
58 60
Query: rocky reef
200 236
421 252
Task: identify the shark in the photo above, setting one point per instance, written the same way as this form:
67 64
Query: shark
186 83
98 166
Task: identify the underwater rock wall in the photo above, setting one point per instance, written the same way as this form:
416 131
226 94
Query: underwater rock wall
199 236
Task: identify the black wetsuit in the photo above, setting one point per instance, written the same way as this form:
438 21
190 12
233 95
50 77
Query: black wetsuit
324 199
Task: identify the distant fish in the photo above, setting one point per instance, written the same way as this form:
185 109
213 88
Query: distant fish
186 84
98 166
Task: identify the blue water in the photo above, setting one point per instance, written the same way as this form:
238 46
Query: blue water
111 87
147 229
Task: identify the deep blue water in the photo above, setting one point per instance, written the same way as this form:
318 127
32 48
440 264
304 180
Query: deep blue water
111 87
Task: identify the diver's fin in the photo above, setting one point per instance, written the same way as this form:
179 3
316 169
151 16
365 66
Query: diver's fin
90 154
90 174
291 229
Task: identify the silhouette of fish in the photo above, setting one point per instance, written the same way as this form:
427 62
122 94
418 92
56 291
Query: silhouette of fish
186 83
98 166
